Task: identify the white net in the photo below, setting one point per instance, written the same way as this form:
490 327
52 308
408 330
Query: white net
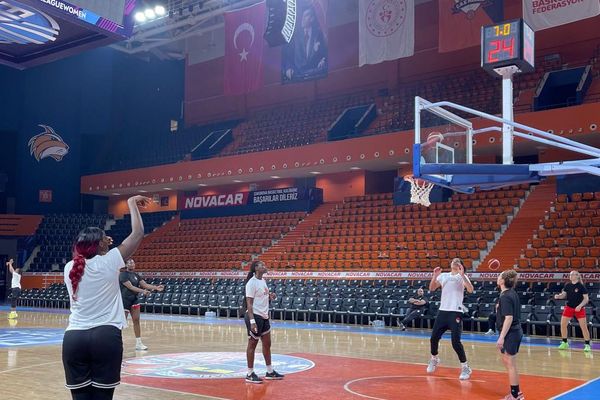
419 191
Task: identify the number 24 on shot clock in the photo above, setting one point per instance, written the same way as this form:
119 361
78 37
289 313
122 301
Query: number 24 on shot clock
508 43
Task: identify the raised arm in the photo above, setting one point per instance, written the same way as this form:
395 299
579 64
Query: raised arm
434 284
9 264
466 281
131 242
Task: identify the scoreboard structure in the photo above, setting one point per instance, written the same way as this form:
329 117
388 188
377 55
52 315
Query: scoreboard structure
34 32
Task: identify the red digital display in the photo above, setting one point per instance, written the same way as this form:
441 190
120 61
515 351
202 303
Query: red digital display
505 44
501 49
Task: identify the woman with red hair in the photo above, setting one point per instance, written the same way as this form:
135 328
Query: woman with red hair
92 346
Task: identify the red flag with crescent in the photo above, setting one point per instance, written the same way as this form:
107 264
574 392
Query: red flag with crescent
244 31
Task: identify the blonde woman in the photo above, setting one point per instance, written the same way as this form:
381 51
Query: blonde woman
577 298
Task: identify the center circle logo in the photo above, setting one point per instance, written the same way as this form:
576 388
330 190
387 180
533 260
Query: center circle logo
21 24
385 17
209 365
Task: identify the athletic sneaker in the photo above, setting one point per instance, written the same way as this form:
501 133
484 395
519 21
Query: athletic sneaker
509 396
490 333
253 378
587 348
465 373
433 363
141 347
564 346
402 327
274 376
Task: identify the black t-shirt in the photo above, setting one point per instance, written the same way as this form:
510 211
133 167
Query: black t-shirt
509 304
574 293
419 308
132 277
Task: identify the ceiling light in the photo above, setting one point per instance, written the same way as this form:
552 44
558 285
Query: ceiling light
237 181
354 168
142 191
315 172
403 162
275 177
167 189
140 16
116 194
160 10
202 184
149 13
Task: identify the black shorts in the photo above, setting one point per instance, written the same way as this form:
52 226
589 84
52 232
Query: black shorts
93 357
15 293
263 326
130 302
512 342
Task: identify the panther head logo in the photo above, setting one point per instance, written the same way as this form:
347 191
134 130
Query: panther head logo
48 144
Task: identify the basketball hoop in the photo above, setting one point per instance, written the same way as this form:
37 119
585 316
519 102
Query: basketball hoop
419 190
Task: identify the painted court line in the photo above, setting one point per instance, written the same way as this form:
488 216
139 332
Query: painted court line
175 391
347 385
593 391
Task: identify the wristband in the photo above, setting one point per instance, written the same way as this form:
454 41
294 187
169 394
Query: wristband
252 321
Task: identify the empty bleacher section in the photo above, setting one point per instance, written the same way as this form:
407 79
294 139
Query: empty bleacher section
56 235
369 232
568 236
344 301
292 125
122 227
214 243
159 148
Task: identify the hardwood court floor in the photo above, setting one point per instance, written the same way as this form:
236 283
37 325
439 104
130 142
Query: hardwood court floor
349 363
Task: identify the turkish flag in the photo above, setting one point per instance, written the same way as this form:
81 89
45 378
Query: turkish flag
244 31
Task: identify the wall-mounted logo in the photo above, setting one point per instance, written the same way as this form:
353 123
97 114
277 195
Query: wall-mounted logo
21 24
469 7
48 144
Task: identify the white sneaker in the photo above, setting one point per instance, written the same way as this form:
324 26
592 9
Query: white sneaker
141 347
490 333
465 373
433 363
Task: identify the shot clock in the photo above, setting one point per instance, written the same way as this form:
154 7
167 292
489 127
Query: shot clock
506 44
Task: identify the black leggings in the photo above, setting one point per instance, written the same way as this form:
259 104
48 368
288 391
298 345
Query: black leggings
92 393
448 320
16 292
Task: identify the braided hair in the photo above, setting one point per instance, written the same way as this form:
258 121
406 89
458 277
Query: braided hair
87 245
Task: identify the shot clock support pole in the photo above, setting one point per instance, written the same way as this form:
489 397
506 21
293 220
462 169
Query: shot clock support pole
507 111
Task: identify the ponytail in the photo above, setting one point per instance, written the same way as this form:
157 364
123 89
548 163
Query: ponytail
86 246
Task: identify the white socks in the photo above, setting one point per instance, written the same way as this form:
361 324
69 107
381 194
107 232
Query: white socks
250 371
270 369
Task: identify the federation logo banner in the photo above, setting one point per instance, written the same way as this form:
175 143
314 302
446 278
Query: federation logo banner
544 14
386 30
